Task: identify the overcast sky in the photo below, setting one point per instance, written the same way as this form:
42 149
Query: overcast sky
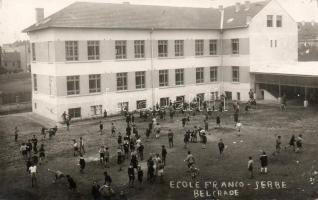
15 15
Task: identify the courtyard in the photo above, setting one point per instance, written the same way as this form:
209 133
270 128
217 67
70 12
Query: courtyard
290 174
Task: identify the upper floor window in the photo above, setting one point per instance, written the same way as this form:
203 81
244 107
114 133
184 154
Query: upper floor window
120 46
73 86
179 76
199 75
213 47
35 82
71 50
121 81
139 48
163 78
140 80
199 47
33 52
93 50
213 74
162 48
235 46
269 20
94 83
235 74
279 21
178 47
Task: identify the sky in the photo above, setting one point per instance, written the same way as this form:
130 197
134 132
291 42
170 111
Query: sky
16 15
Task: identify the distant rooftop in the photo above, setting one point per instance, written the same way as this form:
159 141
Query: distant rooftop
131 16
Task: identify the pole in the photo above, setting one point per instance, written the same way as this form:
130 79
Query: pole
152 71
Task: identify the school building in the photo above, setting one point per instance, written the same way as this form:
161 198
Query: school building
89 57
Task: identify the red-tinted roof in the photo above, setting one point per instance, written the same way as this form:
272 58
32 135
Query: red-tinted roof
129 16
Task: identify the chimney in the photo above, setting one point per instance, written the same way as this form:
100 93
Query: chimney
247 5
237 6
39 14
220 7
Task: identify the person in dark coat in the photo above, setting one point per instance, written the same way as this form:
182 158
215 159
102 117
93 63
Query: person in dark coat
292 142
140 174
82 163
134 161
131 175
107 178
218 121
264 162
71 183
95 190
221 147
164 154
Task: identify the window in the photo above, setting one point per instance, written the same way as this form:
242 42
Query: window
199 75
213 74
180 99
271 43
162 48
140 79
179 76
228 95
121 81
235 74
120 46
71 50
164 101
141 104
178 47
275 43
213 47
73 85
123 106
74 112
199 47
269 20
235 46
94 83
35 82
93 50
139 48
238 96
97 110
163 78
279 21
214 96
33 52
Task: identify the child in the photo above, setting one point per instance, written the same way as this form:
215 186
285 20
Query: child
82 163
75 147
278 144
42 153
16 131
218 121
101 127
250 166
263 159
102 154
238 127
221 147
131 175
140 174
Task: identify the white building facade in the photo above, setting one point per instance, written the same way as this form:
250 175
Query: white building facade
85 68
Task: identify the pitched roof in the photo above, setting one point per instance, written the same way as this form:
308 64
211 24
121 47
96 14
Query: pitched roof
129 16
236 19
307 31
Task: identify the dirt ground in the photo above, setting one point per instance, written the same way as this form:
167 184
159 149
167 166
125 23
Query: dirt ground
259 129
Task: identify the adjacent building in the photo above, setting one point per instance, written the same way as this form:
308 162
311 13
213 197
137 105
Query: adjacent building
91 57
21 52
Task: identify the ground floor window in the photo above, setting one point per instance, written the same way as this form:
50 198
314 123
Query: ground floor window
96 110
164 101
238 96
228 95
74 112
141 104
200 97
123 106
214 96
180 99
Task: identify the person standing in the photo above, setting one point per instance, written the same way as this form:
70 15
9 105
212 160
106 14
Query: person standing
102 151
16 134
82 163
71 183
101 127
35 144
75 148
206 125
107 179
140 174
292 142
250 164
164 154
221 147
42 153
33 171
95 191
67 124
113 130
218 121
105 114
119 157
131 175
170 138
107 156
141 151
278 144
81 146
264 162
190 160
